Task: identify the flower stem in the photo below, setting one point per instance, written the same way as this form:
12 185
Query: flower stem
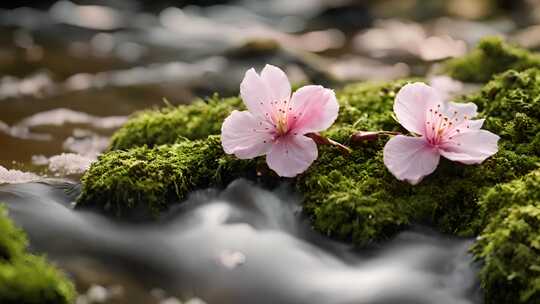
361 136
322 140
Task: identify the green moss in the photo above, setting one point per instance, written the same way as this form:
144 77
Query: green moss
171 124
511 105
356 198
368 105
143 181
27 278
509 246
490 57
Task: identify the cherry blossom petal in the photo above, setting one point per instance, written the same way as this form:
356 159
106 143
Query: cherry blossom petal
412 103
245 136
277 81
410 158
472 125
256 94
463 109
471 147
313 109
446 86
292 155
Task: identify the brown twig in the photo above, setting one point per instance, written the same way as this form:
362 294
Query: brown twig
321 140
361 136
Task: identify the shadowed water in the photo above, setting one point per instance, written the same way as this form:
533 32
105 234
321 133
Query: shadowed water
246 245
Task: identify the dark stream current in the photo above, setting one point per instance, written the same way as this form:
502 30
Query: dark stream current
245 244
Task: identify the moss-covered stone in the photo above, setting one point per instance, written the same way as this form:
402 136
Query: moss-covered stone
27 278
491 56
509 247
143 181
354 197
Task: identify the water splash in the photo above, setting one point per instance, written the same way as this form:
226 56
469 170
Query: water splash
247 245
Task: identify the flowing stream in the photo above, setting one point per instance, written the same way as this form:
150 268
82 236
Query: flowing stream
243 244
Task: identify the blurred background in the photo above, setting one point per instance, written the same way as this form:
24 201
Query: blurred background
71 72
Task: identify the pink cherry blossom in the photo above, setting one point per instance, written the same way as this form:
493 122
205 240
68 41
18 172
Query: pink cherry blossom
441 128
275 122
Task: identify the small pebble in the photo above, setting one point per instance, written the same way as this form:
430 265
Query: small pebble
195 301
170 301
158 293
97 294
231 259
82 299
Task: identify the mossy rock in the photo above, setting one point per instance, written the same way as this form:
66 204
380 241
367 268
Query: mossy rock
142 181
161 155
351 197
27 278
492 56
170 124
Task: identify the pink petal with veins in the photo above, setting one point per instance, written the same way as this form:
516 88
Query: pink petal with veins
245 136
256 94
471 147
411 104
277 81
313 109
292 155
410 158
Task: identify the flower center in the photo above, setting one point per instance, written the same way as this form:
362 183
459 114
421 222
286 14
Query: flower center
281 117
281 126
441 128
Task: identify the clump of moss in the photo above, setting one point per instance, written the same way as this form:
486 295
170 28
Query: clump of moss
27 278
509 246
356 198
143 181
511 107
161 165
492 56
171 124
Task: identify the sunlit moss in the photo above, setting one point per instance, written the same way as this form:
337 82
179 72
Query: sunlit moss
171 124
492 56
27 278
